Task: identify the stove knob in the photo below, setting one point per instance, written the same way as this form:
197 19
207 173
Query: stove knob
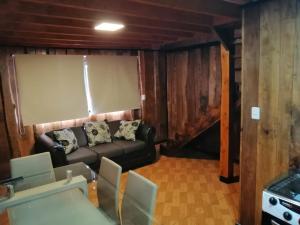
273 201
287 216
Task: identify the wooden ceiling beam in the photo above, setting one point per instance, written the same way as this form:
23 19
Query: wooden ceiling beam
129 30
89 21
187 43
85 35
25 34
71 46
208 7
115 9
68 44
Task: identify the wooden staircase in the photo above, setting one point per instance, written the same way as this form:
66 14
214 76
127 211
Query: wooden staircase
195 129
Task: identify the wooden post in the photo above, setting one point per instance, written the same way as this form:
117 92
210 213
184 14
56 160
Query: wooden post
226 154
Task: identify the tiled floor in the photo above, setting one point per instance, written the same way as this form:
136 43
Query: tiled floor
190 192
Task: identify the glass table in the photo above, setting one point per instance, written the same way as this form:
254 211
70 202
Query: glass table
65 202
67 207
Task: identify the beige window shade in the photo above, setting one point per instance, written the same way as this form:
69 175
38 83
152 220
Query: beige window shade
113 83
51 88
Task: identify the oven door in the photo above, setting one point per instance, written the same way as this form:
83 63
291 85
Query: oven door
268 219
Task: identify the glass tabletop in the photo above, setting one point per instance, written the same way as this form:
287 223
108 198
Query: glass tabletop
67 207
62 202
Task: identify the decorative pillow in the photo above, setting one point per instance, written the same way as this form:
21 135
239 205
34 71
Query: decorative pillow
97 133
67 139
127 130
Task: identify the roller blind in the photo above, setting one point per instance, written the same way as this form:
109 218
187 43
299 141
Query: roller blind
51 88
113 83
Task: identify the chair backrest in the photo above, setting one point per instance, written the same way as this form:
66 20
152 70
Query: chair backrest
108 185
35 169
139 200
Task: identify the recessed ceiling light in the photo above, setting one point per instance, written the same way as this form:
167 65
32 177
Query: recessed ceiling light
109 26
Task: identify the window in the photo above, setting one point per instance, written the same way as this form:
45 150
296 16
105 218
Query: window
62 87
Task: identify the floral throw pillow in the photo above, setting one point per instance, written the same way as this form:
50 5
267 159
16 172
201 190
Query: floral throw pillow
67 139
127 130
97 133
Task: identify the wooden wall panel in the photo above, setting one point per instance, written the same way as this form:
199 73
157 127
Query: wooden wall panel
153 86
5 149
270 80
193 84
250 72
295 126
9 90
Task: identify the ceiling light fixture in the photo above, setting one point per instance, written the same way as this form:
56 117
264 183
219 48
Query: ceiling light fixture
109 26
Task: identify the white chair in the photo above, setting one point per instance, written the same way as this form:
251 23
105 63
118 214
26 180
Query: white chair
35 169
138 201
108 185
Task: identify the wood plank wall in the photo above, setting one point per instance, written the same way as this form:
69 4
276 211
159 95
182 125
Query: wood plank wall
23 144
194 87
5 148
153 82
270 80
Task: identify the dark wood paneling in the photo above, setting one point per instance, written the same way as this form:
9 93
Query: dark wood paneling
250 71
270 80
153 86
295 126
5 150
193 84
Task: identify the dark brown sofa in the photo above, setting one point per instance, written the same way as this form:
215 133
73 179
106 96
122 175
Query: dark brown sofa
129 154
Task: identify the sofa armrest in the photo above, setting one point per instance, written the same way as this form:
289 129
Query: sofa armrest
46 144
146 133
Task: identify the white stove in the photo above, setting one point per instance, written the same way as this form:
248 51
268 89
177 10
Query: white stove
281 201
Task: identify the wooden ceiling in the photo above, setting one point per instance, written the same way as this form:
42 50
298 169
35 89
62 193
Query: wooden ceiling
149 24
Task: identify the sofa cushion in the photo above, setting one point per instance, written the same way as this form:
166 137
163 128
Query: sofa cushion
78 132
80 135
67 139
127 130
131 146
97 133
82 155
108 150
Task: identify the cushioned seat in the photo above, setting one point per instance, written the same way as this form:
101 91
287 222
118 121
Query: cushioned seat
131 146
82 155
126 153
108 150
